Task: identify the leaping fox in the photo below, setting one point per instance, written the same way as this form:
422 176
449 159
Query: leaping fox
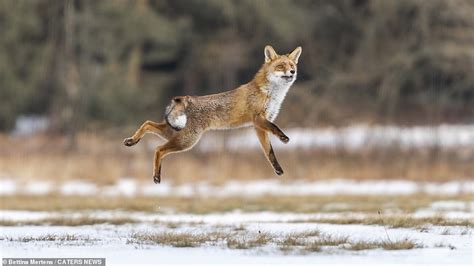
256 104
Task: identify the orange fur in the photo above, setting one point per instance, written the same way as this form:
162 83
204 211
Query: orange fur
256 103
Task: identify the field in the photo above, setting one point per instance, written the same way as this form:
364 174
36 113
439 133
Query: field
221 204
398 222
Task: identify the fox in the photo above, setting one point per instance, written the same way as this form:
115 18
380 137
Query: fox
254 104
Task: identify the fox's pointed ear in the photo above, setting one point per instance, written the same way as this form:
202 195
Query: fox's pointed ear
270 53
295 54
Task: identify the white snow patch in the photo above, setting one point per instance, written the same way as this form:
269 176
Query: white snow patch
8 186
111 242
77 187
124 187
130 187
38 188
453 205
352 138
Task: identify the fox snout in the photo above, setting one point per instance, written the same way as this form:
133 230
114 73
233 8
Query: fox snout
289 76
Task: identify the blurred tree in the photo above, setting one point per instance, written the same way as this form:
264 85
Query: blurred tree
108 63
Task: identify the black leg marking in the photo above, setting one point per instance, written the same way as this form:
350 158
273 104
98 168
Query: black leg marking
130 142
157 176
275 164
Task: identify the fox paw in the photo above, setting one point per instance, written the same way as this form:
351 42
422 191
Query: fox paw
278 171
157 179
284 139
130 142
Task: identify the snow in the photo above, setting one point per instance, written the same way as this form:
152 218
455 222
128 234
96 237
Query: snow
126 187
227 217
77 187
38 187
130 187
30 125
7 186
110 241
230 217
453 205
351 138
443 245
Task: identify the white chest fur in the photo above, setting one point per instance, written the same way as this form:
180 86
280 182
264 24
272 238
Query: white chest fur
276 95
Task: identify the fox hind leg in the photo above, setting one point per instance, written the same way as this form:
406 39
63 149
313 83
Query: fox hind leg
148 126
160 152
268 150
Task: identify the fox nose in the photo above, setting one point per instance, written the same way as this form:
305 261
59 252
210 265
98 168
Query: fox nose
292 71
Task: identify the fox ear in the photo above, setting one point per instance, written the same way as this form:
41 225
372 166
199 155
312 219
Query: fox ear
295 54
270 53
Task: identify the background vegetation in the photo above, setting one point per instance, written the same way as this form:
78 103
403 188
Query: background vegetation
101 64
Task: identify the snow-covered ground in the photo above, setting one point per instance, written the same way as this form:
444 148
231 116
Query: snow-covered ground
351 138
130 187
435 245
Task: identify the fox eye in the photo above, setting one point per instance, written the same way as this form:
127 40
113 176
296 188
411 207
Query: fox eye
279 67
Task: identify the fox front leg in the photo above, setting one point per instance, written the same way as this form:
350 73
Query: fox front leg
262 123
268 150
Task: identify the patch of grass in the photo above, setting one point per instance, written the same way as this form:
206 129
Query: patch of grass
171 239
172 225
313 247
182 239
329 240
443 245
299 239
400 244
204 205
49 237
393 221
67 221
386 244
363 245
19 159
240 227
242 243
292 240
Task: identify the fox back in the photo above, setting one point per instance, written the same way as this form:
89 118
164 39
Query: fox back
263 95
256 103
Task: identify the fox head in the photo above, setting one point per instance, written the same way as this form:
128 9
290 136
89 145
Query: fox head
281 69
175 114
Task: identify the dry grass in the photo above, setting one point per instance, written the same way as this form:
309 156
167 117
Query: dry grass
315 244
391 221
308 241
172 239
400 244
203 205
103 159
178 239
67 221
298 239
313 247
386 244
49 237
395 221
330 240
311 241
242 242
